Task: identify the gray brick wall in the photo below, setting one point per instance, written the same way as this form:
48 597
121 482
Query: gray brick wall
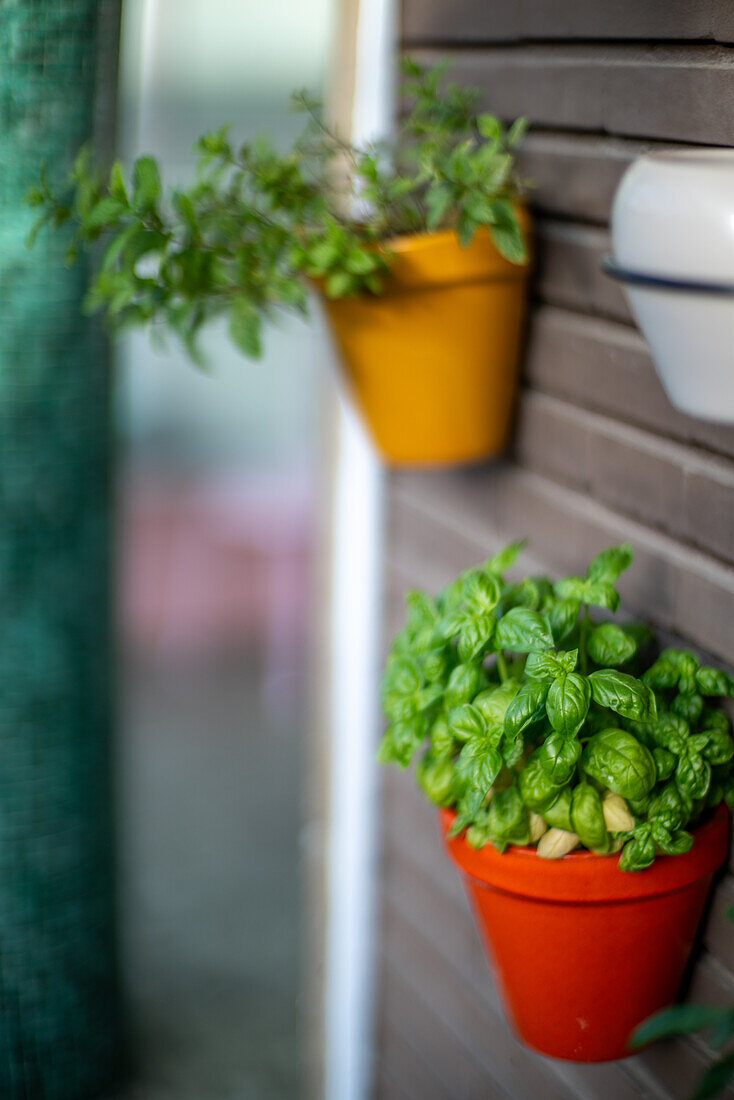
599 456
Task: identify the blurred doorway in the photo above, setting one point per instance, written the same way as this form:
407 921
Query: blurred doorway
217 506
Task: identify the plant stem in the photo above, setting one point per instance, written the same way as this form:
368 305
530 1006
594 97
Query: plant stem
502 666
583 658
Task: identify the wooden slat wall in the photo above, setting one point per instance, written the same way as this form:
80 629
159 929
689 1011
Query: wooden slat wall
599 456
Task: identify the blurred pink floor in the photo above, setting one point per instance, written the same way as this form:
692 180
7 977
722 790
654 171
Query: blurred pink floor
213 602
212 563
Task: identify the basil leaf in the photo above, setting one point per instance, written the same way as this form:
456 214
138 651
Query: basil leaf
465 722
544 666
512 749
435 777
442 741
610 564
568 703
401 741
563 618
616 759
423 618
505 558
464 683
508 821
670 731
670 806
609 645
493 703
671 844
601 594
571 588
537 789
523 631
587 818
479 765
534 592
558 814
719 748
558 757
692 773
664 763
482 591
475 633
715 719
688 706
527 707
623 694
663 675
712 681
639 852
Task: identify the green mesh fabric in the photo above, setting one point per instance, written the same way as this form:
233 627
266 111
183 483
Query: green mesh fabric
59 1019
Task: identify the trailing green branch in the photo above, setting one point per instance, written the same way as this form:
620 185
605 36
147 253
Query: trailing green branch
243 240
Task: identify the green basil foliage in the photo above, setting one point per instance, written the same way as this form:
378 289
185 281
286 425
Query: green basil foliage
523 700
258 223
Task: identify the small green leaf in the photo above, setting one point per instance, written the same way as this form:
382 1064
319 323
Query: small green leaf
505 558
524 631
339 284
712 681
609 645
544 666
568 703
245 327
620 762
106 213
517 131
146 184
490 127
439 198
465 722
465 682
482 591
558 757
608 566
401 742
527 707
587 818
679 1020
623 694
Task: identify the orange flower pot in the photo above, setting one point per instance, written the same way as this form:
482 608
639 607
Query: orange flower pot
585 952
432 362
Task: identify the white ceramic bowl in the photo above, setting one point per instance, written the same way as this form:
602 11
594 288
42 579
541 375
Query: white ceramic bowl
673 219
674 215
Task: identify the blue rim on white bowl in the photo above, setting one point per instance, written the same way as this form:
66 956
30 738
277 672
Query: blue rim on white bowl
662 282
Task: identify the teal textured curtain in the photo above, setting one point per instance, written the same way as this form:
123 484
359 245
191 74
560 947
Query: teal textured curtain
59 1011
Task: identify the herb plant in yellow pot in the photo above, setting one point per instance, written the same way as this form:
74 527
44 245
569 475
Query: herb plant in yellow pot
419 249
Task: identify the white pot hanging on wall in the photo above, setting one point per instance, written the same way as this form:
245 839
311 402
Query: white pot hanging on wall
673 239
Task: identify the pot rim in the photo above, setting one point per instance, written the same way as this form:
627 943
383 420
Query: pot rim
587 876
414 242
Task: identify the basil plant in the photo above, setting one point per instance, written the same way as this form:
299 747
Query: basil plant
539 720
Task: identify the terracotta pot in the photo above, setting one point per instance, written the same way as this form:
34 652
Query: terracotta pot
585 952
432 362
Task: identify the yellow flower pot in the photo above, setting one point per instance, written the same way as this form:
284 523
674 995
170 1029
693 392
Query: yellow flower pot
433 361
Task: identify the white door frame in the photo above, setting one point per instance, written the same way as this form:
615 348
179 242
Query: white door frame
353 670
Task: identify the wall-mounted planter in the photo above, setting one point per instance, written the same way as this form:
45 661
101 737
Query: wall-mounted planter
673 241
432 362
585 952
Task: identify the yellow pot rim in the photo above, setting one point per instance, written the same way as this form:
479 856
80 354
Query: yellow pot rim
415 242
